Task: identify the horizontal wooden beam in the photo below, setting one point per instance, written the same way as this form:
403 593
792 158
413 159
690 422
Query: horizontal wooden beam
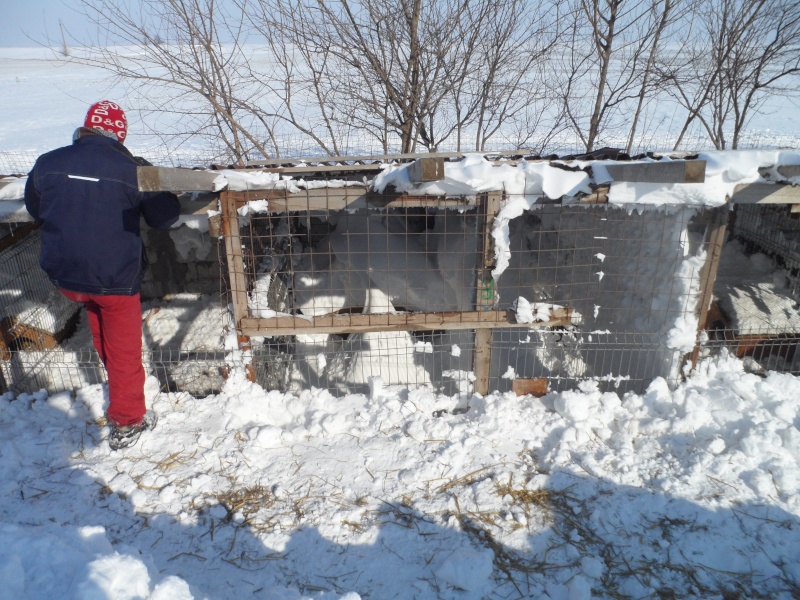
765 193
323 199
359 323
673 171
339 198
166 179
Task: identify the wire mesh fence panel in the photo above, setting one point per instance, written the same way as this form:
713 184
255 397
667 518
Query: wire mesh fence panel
45 342
756 313
54 370
183 348
348 290
619 362
631 280
360 362
34 316
624 284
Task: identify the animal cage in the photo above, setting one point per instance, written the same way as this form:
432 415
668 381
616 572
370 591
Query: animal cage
756 308
356 289
335 285
45 342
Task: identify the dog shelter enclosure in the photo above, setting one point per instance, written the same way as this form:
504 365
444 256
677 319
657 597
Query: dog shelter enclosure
459 273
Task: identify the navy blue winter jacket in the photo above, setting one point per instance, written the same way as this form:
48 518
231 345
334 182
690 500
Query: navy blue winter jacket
87 199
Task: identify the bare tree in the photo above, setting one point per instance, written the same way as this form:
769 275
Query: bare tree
604 73
508 72
410 72
767 53
192 52
665 15
744 52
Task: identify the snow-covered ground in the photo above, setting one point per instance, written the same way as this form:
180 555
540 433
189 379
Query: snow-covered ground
399 493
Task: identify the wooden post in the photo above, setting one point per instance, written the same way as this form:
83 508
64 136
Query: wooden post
715 233
426 169
236 274
486 296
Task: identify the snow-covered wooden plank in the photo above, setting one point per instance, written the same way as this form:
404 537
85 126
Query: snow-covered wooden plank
320 199
676 171
359 323
340 198
167 179
765 193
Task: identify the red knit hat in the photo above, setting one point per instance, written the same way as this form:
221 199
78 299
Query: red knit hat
107 116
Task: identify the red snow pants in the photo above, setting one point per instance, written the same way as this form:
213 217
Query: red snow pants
116 325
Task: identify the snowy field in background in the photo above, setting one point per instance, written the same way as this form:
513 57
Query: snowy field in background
32 122
396 493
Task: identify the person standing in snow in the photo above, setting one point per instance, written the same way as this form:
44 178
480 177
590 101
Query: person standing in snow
87 200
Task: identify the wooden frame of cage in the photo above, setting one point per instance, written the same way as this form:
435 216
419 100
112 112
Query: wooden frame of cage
484 318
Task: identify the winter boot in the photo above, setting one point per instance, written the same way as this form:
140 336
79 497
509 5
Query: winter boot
122 436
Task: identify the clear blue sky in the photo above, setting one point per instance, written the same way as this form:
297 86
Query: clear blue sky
38 19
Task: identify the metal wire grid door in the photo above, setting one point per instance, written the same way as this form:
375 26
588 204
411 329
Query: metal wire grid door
756 314
610 294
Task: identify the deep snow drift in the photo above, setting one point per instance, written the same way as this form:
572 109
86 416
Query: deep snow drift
398 494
